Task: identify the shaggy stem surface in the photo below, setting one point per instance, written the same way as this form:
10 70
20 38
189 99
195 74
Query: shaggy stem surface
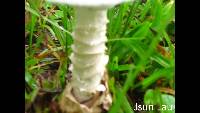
88 57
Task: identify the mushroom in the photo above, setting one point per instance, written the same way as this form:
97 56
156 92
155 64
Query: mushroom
88 57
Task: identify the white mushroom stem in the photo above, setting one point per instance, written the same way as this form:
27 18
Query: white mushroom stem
88 57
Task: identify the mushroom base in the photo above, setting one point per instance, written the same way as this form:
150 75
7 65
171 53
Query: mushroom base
99 103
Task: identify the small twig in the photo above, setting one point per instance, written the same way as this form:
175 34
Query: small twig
47 51
167 90
59 90
53 52
40 65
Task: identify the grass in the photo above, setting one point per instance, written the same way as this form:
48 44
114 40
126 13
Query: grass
140 45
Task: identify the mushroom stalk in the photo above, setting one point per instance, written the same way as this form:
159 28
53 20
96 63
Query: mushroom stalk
88 57
87 91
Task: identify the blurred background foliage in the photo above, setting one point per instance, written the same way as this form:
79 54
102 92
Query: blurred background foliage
141 49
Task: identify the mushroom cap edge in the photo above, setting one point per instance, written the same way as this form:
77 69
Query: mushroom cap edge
89 3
